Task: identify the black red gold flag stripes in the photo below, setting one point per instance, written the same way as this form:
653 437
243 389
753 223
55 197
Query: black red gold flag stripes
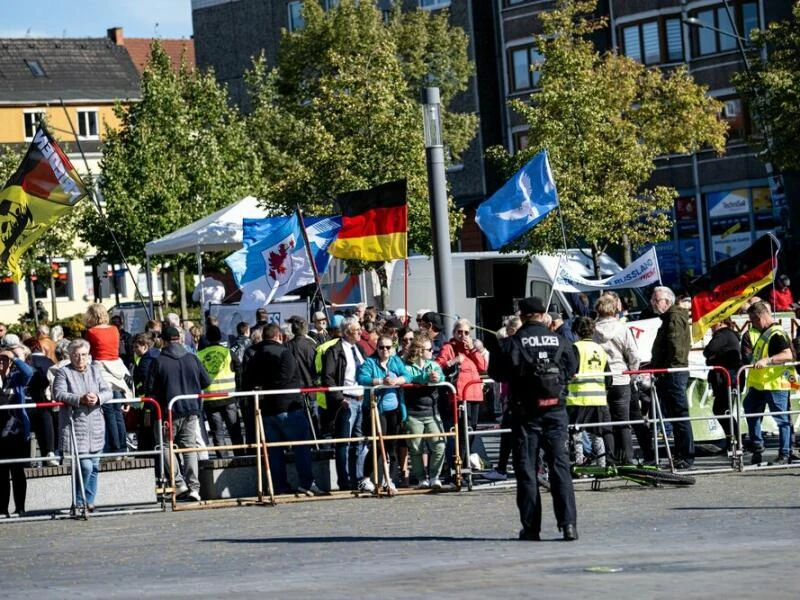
374 223
727 285
43 189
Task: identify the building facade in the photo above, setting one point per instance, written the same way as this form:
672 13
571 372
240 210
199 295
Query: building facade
73 84
724 202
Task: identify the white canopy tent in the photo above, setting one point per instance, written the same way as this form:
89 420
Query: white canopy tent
218 232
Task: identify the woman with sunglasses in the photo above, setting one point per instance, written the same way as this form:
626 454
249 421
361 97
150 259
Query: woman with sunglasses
384 368
461 361
423 414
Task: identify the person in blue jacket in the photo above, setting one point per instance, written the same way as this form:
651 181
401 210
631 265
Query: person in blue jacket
385 368
15 425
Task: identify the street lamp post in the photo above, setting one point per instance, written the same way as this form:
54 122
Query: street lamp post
437 195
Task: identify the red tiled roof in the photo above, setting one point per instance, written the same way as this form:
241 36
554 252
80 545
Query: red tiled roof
139 50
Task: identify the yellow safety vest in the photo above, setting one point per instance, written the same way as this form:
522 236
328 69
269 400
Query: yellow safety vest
322 400
217 362
780 377
589 391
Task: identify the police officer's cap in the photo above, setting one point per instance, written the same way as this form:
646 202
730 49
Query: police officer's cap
532 305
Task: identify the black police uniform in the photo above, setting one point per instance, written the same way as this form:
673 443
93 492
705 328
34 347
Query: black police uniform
539 421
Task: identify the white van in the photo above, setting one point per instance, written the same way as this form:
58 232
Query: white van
486 285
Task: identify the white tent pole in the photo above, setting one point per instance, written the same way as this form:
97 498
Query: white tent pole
149 275
200 279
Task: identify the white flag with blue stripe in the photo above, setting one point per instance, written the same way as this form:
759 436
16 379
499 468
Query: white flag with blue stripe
274 258
521 203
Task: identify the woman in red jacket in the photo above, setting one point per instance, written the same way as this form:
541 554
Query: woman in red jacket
460 359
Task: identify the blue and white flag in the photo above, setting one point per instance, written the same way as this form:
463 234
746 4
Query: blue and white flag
521 203
274 260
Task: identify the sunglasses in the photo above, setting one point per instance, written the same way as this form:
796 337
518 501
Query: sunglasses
464 331
384 347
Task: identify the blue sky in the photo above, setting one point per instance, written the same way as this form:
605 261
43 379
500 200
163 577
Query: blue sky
91 18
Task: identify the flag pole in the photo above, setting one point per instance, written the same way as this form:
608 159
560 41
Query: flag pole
94 193
312 262
566 254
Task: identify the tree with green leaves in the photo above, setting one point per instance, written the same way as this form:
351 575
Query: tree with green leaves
604 119
772 89
180 153
342 109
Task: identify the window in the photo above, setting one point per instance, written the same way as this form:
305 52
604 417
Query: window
60 274
87 124
522 61
8 289
295 16
31 122
520 140
434 4
716 33
654 42
35 67
735 115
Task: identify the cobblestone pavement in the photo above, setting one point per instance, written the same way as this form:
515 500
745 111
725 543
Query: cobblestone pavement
729 536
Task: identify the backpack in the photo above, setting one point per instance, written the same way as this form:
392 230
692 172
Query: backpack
542 376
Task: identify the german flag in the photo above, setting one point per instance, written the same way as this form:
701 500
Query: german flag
43 189
374 223
719 293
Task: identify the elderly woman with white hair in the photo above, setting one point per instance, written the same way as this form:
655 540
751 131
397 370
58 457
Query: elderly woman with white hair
462 362
81 387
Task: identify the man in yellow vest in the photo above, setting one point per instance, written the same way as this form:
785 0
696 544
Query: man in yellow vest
223 413
586 394
770 382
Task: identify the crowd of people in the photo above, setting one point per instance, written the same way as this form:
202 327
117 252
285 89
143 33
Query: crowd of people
366 357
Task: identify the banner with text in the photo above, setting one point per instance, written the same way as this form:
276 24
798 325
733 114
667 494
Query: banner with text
640 273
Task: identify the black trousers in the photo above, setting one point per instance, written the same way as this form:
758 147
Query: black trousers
547 431
13 446
619 404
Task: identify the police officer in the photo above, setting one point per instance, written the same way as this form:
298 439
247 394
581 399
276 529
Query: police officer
537 364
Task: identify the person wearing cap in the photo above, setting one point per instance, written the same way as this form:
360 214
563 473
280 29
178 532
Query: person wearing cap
431 323
780 296
177 372
537 364
320 332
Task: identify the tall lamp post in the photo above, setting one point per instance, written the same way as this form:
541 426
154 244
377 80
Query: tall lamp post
437 196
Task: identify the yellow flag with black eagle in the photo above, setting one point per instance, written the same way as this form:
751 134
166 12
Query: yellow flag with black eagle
43 189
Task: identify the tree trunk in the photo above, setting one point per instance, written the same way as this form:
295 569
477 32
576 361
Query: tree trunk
53 291
596 260
627 254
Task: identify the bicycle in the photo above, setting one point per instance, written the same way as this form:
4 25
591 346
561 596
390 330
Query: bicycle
645 475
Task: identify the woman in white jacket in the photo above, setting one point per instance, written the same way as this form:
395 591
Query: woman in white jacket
623 355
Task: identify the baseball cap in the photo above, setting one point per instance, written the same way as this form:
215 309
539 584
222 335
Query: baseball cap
433 319
532 305
172 333
10 340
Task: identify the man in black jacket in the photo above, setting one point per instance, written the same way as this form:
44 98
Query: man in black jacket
304 350
273 367
176 372
537 364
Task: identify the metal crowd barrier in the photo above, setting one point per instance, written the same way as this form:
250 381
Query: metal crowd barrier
262 446
76 478
741 392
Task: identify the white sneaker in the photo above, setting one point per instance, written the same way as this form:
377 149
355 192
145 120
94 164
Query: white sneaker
52 461
366 485
425 484
436 484
494 475
475 462
390 489
194 495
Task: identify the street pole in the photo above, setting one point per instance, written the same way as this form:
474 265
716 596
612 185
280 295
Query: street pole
437 195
